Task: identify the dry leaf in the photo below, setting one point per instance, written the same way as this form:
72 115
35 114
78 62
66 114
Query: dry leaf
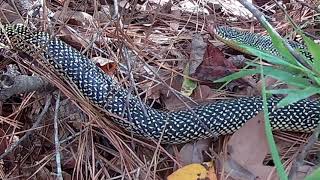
77 40
269 81
303 171
248 147
43 174
159 2
74 17
174 24
237 171
214 65
192 152
235 8
198 49
203 171
190 6
107 65
203 92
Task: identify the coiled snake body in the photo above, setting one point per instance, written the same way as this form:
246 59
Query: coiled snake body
215 119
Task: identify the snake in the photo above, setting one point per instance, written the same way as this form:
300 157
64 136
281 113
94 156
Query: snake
218 118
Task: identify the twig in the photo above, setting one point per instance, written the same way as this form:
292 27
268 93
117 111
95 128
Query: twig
22 84
116 9
56 138
34 126
304 151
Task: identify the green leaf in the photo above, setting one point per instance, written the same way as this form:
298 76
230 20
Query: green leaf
314 50
287 77
317 80
237 75
295 95
273 59
278 43
268 131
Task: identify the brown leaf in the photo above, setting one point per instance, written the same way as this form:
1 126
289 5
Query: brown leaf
198 49
203 92
248 147
74 17
303 171
214 66
172 103
43 174
237 171
174 24
107 65
192 152
77 41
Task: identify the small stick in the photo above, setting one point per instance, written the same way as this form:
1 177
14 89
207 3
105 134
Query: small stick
56 138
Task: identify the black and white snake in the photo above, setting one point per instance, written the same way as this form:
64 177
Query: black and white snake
215 119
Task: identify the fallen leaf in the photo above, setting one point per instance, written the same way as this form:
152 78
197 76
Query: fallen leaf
237 171
214 65
159 2
192 152
107 65
204 171
248 147
269 81
235 9
174 24
43 174
198 49
74 17
303 171
76 40
190 6
204 92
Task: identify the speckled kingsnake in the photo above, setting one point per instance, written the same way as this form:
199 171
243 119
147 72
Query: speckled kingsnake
222 117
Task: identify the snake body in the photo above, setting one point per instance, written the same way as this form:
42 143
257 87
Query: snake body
234 38
211 120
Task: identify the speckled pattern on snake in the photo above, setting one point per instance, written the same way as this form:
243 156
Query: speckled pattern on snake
211 120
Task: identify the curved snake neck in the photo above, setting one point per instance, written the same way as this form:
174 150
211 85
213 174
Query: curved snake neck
211 120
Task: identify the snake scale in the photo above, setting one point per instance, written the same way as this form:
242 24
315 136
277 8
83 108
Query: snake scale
204 121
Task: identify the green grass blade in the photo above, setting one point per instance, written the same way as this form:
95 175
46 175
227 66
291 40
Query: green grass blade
273 59
278 43
268 130
237 75
296 95
314 50
287 77
281 91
